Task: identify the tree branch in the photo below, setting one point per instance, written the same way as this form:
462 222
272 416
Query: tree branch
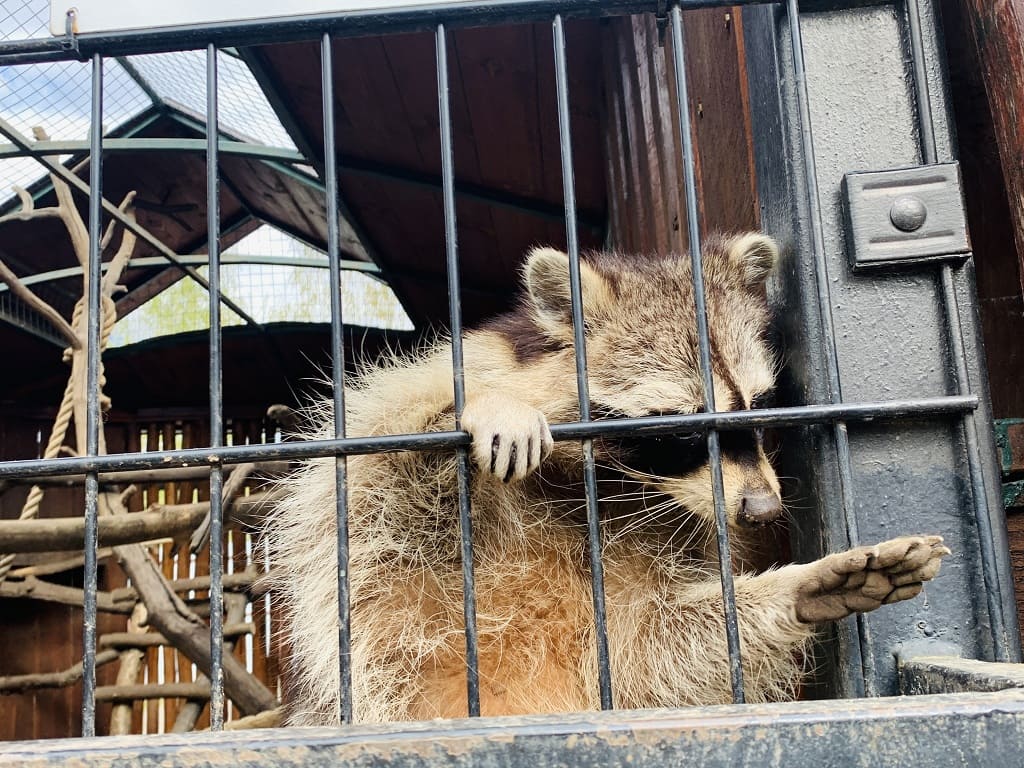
69 676
20 290
121 640
183 628
124 252
159 522
37 589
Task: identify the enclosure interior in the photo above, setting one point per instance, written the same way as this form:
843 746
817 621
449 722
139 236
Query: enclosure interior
509 195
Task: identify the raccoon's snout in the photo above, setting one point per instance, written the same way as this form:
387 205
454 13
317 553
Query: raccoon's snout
759 508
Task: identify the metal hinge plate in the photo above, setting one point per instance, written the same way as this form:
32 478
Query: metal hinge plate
905 216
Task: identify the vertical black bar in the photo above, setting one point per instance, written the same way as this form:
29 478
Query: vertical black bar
92 420
704 344
338 368
216 399
840 433
954 332
458 372
582 385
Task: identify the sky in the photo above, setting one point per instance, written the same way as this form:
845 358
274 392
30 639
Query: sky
56 97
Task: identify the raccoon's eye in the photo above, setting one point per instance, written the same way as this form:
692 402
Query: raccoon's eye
763 400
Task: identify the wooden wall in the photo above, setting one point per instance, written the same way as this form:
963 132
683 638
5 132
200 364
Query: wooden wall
43 637
985 45
647 210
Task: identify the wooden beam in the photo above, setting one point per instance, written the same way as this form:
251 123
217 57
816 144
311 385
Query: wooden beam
161 521
998 30
34 682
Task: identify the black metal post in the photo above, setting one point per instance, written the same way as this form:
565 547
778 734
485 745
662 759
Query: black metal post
704 347
216 399
858 638
458 373
957 354
582 385
338 381
94 315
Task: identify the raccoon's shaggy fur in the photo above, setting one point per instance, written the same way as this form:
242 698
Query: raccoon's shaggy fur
533 595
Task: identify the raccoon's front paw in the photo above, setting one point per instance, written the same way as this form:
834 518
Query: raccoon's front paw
866 577
510 438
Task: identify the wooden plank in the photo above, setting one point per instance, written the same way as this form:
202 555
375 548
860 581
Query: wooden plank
648 195
721 121
998 29
991 223
1015 530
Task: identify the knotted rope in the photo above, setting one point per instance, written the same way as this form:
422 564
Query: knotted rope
66 410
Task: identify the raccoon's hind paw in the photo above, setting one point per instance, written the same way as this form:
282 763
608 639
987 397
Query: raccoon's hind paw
866 577
510 438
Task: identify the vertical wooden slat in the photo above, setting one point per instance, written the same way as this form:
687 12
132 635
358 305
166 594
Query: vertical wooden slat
645 189
998 29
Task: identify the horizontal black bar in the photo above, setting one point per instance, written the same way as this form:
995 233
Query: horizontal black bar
950 730
648 425
376 21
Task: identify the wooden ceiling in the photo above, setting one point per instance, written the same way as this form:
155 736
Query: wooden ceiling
508 174
506 149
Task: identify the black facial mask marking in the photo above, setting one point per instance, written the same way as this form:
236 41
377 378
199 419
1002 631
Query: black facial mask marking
679 454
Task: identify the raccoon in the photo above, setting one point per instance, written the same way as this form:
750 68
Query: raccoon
534 607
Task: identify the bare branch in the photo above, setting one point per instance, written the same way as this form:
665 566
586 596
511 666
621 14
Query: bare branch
32 214
159 522
190 711
124 252
120 640
72 220
231 489
128 674
69 676
271 718
49 566
27 203
38 589
239 581
20 290
125 694
183 628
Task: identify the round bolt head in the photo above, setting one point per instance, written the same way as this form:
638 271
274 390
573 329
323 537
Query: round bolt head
908 213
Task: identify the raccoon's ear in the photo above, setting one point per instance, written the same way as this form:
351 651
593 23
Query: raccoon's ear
755 254
546 276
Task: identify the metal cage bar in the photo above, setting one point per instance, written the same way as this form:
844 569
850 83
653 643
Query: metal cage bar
338 381
954 332
458 373
837 413
892 410
216 399
861 642
580 348
93 311
310 26
732 633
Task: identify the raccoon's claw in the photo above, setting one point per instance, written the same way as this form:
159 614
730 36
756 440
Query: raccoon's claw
510 438
866 577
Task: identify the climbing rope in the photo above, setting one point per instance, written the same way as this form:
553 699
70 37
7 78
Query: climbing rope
65 412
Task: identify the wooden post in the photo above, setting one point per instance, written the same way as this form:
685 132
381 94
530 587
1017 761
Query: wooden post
998 30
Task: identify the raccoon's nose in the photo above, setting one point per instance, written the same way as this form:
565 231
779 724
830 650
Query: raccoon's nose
759 507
